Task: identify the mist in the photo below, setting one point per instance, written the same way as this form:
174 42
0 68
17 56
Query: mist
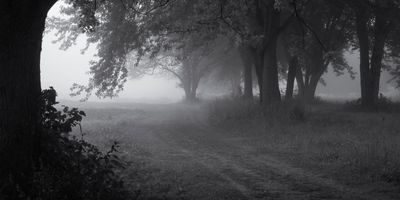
62 68
230 99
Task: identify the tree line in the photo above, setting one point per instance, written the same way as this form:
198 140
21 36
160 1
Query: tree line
302 39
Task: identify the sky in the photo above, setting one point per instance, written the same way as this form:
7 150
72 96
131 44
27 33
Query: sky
61 69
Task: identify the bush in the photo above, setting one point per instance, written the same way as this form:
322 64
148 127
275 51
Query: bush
69 167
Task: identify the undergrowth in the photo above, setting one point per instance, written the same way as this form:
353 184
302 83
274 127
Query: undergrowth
68 167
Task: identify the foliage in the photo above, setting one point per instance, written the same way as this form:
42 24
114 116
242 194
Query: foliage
125 32
122 30
69 167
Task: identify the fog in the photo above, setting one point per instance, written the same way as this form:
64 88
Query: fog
61 69
221 100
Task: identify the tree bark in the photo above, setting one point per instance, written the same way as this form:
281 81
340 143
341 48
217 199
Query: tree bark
22 25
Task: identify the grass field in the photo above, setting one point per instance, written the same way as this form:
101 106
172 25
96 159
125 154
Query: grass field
228 150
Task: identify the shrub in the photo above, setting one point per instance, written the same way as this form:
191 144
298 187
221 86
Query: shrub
69 167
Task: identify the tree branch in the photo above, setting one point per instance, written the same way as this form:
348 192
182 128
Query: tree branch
307 26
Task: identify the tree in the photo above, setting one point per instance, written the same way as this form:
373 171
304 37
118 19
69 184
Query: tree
22 25
318 40
228 73
374 21
141 26
264 21
189 58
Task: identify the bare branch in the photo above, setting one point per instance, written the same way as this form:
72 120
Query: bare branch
308 26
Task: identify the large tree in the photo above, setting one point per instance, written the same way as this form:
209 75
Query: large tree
140 26
22 25
374 21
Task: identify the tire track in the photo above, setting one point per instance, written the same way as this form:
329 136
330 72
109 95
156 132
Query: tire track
188 136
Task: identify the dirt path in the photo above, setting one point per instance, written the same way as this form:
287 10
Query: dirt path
199 161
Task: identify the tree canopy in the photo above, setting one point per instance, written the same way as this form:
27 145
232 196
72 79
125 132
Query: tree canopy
313 35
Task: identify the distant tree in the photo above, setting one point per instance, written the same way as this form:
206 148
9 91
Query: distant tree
228 73
188 60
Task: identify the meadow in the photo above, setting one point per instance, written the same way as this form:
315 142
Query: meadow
229 149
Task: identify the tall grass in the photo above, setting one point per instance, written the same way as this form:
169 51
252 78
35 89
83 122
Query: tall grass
353 147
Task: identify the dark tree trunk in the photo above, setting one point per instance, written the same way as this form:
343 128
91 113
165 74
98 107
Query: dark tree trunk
382 28
300 82
371 65
247 72
271 91
290 79
22 25
309 91
270 88
363 40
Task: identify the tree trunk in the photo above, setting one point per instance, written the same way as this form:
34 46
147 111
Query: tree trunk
309 91
190 87
382 29
290 79
270 88
22 25
300 82
362 34
190 96
247 72
370 66
271 91
259 66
